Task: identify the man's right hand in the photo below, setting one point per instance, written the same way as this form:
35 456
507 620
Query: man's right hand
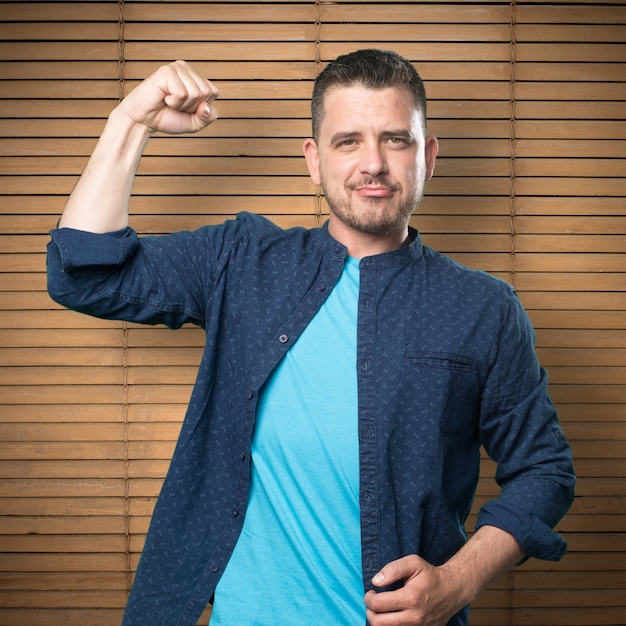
174 99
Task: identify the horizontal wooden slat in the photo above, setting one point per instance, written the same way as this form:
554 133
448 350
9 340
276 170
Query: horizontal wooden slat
62 11
555 281
612 301
533 89
567 33
391 13
70 31
93 51
589 357
571 71
571 52
96 450
574 262
570 14
72 562
416 31
59 580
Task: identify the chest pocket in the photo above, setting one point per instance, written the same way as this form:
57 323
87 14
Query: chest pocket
439 360
445 390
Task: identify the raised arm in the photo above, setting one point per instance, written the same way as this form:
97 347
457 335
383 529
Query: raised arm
174 99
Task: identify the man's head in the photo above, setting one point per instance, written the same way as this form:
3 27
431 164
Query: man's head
373 69
370 153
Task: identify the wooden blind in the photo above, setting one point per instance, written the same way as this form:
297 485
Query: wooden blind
528 101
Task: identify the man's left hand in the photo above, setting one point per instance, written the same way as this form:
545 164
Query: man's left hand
430 595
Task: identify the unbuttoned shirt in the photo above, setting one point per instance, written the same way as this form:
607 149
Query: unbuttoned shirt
445 364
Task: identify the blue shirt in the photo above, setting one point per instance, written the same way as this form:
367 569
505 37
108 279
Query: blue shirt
445 363
301 528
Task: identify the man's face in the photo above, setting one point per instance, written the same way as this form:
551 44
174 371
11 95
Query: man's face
371 158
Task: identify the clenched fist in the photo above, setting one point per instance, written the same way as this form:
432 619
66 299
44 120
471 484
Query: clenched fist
174 99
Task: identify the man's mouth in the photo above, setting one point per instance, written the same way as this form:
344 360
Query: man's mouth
372 189
375 192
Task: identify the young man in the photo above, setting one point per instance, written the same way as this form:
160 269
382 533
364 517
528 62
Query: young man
330 452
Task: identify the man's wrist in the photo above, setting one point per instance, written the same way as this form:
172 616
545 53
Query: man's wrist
489 554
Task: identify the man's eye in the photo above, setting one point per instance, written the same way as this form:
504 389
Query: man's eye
397 141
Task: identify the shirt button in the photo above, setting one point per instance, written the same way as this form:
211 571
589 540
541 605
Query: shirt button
214 568
242 455
283 339
321 287
249 394
235 513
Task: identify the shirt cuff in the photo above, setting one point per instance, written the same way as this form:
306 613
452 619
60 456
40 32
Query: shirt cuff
535 537
79 249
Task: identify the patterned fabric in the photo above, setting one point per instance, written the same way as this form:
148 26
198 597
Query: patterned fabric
445 363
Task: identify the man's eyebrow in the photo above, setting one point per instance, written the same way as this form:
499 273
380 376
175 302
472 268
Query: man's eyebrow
405 134
338 137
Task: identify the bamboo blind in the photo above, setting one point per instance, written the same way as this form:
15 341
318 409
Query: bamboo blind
528 101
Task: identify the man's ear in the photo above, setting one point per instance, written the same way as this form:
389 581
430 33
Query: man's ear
312 156
430 153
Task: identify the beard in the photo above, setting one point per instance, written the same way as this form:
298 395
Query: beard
372 215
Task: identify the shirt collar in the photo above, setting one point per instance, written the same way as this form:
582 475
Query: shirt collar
403 256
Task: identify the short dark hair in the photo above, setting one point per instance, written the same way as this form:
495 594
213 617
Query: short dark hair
373 69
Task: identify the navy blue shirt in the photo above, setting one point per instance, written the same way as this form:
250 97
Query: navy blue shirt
445 361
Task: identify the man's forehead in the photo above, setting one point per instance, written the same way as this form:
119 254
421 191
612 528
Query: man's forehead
352 89
343 101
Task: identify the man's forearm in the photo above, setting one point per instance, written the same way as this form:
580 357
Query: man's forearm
489 554
99 202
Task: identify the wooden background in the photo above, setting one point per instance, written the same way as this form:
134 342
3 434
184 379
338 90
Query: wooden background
528 101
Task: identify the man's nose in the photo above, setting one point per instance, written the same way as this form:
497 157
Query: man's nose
372 160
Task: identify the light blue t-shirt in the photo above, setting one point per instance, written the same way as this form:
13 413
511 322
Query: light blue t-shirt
298 559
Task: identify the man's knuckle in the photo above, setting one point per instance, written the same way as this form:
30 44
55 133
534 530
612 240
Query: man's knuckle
374 603
414 597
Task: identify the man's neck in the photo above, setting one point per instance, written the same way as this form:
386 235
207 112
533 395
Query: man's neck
361 244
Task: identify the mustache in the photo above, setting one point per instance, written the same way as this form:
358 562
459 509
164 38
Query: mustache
375 182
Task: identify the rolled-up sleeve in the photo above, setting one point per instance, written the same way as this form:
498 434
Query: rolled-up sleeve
79 249
118 275
521 432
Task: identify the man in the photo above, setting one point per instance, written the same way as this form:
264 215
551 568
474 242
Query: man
330 452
